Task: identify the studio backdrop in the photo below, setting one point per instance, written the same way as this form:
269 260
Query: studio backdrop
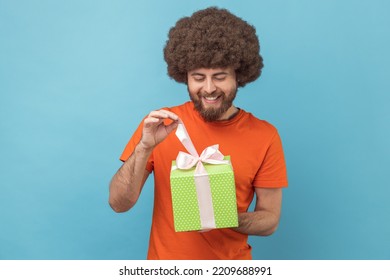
77 77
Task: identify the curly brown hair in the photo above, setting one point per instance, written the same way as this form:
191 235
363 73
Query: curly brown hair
213 38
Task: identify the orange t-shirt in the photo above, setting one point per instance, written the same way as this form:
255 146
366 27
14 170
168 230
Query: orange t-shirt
257 159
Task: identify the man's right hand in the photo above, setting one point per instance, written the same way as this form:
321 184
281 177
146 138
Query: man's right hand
127 183
155 131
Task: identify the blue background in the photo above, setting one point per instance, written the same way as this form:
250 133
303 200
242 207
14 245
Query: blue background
76 77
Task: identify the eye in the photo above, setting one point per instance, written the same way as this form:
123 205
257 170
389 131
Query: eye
220 77
198 78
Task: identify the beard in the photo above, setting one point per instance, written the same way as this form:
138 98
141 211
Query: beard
213 114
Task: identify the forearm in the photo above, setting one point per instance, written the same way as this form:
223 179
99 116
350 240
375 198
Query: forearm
259 222
126 185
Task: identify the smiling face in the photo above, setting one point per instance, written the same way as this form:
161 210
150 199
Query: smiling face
213 91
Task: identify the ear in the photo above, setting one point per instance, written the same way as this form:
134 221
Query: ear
237 79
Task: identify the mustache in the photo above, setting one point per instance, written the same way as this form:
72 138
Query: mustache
214 94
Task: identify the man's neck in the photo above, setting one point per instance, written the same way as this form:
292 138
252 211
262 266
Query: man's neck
230 113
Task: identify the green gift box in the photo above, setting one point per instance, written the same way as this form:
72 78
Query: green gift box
190 190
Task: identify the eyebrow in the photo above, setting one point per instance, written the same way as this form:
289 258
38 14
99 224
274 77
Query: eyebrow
216 74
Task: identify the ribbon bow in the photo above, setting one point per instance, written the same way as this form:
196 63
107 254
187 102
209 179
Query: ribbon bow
186 161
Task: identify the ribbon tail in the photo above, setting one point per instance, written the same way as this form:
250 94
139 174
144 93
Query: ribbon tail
204 196
182 134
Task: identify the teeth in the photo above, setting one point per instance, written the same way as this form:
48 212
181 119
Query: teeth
211 98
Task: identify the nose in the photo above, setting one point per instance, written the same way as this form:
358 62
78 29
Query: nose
209 86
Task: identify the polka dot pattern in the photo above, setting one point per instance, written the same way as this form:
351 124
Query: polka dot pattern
223 192
185 203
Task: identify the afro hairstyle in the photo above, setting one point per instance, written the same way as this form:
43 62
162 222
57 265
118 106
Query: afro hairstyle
213 38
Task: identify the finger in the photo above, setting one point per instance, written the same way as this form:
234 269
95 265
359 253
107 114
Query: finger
164 114
150 121
169 128
170 115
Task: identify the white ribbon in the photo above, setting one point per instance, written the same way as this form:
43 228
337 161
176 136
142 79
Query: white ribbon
186 161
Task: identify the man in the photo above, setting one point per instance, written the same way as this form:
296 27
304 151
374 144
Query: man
213 52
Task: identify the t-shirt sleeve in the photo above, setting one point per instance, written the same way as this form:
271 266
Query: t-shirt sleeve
272 172
129 149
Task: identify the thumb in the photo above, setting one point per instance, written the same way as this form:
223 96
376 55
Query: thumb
171 127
